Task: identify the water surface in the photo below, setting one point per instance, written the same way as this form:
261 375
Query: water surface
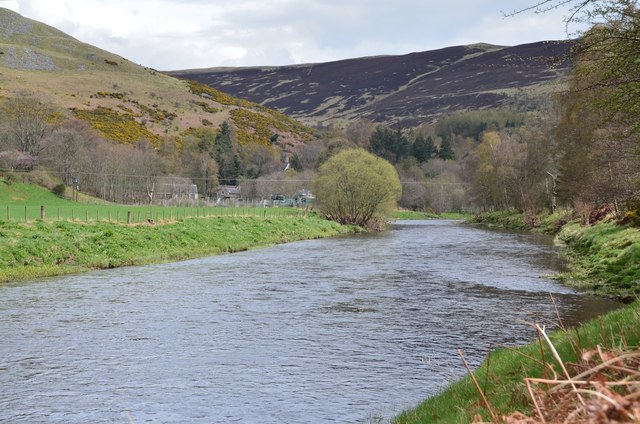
343 330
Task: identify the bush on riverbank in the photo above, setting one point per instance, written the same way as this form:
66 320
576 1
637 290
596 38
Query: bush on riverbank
501 376
54 248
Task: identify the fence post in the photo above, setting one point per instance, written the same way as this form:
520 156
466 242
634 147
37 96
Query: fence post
86 215
42 213
25 214
128 217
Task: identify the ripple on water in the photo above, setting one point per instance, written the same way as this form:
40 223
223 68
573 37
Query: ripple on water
338 330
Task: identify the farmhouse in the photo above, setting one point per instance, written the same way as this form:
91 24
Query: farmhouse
226 194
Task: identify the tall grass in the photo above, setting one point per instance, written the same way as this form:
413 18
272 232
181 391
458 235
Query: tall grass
501 377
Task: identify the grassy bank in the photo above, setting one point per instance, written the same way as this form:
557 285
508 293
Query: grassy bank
604 258
41 249
501 376
418 215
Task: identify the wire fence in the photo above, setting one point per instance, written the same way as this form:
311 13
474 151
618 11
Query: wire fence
135 214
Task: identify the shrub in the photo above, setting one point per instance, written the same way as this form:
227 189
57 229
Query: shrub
58 190
355 187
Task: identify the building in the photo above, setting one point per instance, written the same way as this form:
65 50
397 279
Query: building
226 194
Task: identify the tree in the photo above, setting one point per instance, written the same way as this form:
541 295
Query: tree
62 150
599 130
423 148
227 160
28 123
360 132
446 151
391 145
606 56
356 187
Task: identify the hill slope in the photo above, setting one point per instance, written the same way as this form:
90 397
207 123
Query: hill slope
39 61
413 88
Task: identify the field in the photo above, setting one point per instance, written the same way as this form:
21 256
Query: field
20 202
80 236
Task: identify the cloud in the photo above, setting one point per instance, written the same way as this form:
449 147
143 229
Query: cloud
177 34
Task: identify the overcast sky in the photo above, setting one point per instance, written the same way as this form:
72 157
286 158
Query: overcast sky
180 34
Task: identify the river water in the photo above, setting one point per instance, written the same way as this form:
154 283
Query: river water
343 330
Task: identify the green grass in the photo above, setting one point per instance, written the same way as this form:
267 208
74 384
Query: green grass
502 374
21 202
80 236
55 248
501 219
418 215
605 259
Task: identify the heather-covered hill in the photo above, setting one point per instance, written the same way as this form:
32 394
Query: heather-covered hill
411 88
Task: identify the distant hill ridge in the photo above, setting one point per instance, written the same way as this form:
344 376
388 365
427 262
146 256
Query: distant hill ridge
120 99
410 88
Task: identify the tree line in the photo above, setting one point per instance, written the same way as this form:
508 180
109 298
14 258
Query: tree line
579 150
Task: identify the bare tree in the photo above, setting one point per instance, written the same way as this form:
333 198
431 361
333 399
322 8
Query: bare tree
62 150
28 124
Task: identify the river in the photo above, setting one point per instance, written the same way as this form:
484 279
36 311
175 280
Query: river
344 330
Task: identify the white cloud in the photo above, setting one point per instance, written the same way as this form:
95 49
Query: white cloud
175 34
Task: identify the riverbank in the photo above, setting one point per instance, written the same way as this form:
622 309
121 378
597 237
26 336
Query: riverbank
44 249
604 260
501 377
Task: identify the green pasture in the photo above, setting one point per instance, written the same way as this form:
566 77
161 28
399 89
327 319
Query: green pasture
20 202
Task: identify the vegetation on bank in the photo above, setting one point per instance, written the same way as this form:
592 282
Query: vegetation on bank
42 249
604 258
355 187
91 238
404 214
501 376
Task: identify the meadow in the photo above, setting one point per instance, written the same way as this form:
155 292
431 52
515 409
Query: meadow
21 202
81 236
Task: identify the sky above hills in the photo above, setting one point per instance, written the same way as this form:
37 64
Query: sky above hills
182 34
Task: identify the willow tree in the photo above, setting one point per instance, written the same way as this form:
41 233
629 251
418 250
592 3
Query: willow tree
356 187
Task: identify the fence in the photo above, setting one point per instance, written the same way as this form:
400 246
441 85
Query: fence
133 214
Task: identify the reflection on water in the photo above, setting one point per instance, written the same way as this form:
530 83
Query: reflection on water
337 330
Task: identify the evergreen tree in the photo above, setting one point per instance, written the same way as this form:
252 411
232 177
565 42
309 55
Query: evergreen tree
423 149
391 145
446 152
228 162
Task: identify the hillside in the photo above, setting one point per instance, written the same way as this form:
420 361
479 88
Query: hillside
123 100
411 88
